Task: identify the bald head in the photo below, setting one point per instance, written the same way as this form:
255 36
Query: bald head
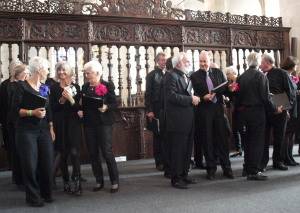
204 60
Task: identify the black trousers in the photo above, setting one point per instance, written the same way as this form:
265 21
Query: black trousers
213 135
238 131
100 137
278 123
181 146
198 145
68 133
14 156
288 144
254 120
35 149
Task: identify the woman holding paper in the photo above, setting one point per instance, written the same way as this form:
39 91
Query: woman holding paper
34 133
65 97
98 103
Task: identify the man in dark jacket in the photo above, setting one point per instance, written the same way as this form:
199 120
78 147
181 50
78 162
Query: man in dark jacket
210 113
278 83
252 102
153 106
180 121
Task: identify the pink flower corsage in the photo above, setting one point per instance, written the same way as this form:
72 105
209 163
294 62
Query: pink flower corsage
101 90
295 79
235 87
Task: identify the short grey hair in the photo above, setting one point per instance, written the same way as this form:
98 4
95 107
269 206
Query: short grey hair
268 58
65 66
93 66
37 63
158 56
252 59
230 70
177 58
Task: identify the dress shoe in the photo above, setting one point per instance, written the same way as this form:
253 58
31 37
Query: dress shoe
280 166
180 184
228 173
160 167
236 154
290 163
167 175
98 187
189 180
211 175
257 176
114 188
35 203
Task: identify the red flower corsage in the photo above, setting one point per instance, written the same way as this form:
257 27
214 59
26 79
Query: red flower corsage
234 87
101 90
295 79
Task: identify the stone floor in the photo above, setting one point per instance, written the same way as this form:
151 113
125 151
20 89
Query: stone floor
143 189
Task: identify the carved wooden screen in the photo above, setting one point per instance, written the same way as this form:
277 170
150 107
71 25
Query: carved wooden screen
125 35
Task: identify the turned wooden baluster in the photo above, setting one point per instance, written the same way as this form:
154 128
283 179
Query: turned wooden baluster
129 100
1 74
244 59
57 49
193 59
47 52
220 55
276 58
238 67
9 53
172 51
214 57
37 50
109 64
138 76
120 87
66 50
147 66
76 65
99 53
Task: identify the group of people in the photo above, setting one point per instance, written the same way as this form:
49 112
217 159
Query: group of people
39 120
190 109
184 110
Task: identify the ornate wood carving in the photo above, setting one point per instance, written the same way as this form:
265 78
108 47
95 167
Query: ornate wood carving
205 36
132 8
269 40
56 31
244 38
113 32
10 29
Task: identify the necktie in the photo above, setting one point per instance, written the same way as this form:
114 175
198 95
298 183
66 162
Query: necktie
185 78
210 85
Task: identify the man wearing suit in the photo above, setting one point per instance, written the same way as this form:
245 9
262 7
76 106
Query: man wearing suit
180 121
278 83
153 106
210 113
252 102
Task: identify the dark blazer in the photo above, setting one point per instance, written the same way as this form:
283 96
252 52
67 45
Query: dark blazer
198 79
179 108
95 117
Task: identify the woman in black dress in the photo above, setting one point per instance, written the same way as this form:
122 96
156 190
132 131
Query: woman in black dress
65 97
34 133
98 120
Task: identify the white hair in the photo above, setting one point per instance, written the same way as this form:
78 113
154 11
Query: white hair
37 63
252 59
93 66
178 58
65 66
268 58
230 70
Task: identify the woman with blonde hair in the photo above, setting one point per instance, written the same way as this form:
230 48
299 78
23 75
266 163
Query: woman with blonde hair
65 97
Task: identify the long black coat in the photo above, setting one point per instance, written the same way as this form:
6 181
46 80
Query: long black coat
179 108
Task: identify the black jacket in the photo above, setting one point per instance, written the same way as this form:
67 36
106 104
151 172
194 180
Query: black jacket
179 108
93 118
198 79
153 90
254 90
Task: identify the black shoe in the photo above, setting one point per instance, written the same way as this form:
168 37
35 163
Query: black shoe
160 167
258 176
228 173
114 189
211 175
236 154
179 184
98 187
67 187
35 203
189 180
280 166
49 200
167 175
76 186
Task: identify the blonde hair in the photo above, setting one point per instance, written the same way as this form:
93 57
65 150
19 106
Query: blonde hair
17 70
65 66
